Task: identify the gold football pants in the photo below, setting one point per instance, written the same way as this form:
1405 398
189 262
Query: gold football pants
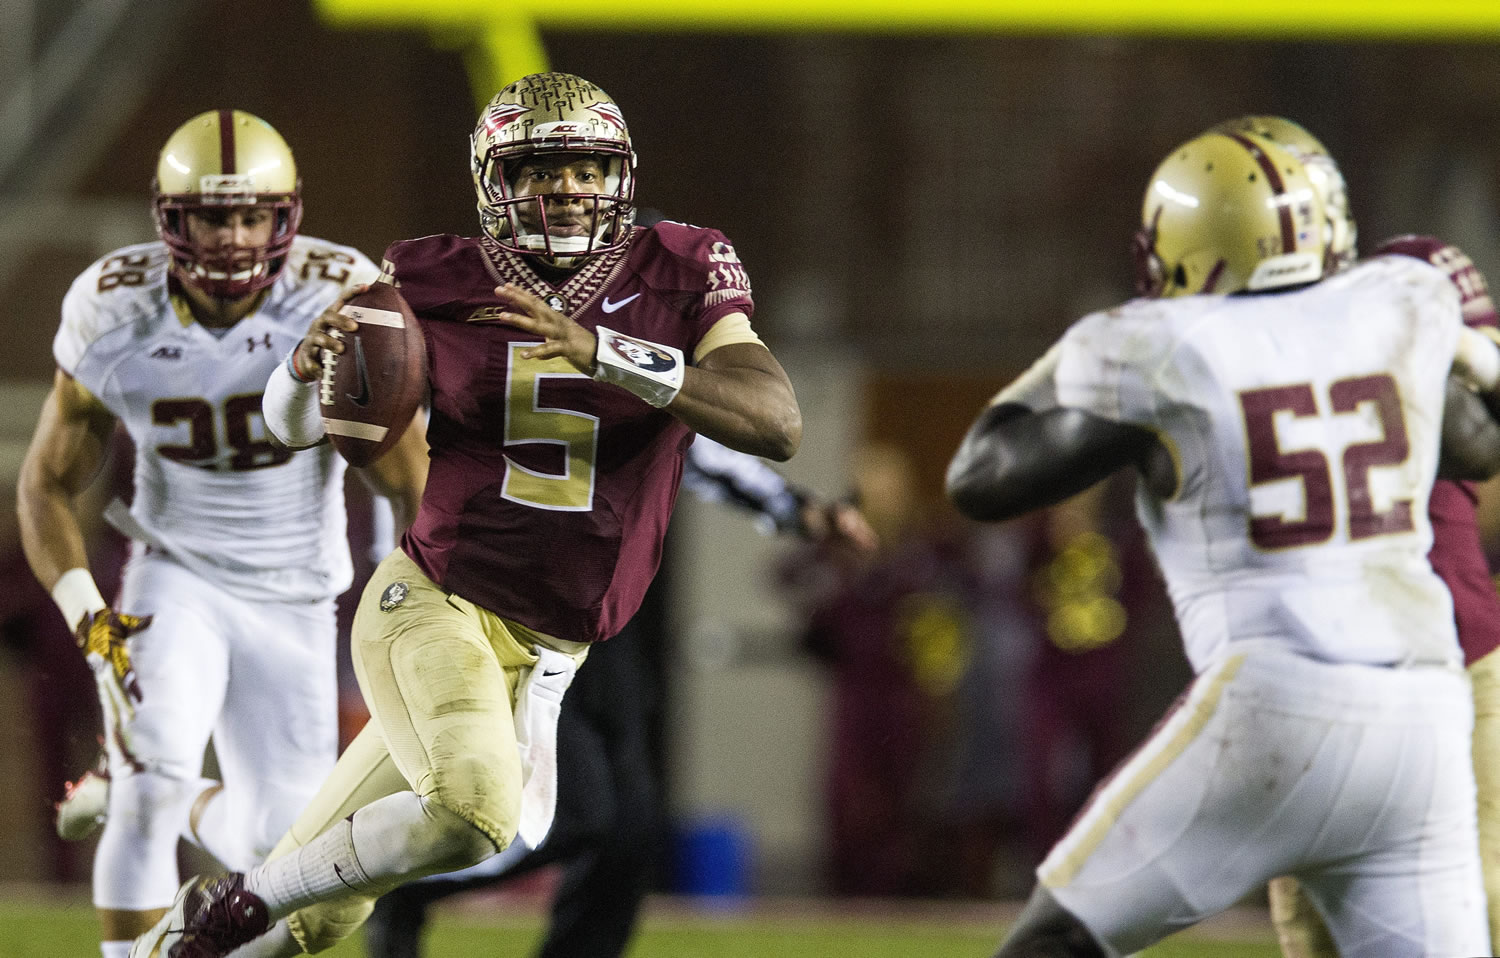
439 676
1299 927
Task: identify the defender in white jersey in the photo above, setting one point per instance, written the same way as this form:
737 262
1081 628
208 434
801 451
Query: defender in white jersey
225 628
1288 436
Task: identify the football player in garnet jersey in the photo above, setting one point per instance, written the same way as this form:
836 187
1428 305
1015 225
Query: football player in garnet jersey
225 622
1457 554
555 463
1287 422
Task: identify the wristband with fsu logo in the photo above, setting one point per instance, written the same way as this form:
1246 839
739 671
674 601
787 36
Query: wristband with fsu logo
652 371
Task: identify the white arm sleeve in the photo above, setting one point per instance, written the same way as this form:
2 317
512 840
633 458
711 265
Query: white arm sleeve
291 410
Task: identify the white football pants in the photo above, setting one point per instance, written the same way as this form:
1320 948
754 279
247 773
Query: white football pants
260 678
1355 779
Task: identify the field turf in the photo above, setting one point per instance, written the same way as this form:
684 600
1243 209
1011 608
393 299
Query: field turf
35 928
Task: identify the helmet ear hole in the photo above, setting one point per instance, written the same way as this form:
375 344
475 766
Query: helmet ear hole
1179 277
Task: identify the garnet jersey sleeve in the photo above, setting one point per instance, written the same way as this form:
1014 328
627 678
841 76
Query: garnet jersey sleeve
1473 291
700 266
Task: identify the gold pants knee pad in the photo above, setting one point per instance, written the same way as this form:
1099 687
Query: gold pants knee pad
319 927
440 676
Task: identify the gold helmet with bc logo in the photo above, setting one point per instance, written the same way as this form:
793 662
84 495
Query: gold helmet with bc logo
1324 172
1229 212
553 113
219 161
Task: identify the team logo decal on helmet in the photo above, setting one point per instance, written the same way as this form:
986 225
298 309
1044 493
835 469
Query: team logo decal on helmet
611 113
1225 213
550 113
220 160
499 115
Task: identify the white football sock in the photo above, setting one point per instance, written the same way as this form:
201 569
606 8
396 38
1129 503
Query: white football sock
389 842
324 868
114 949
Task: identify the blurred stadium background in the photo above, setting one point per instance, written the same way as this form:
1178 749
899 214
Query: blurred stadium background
925 195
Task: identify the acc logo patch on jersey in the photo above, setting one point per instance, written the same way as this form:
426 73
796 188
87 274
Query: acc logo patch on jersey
641 354
394 595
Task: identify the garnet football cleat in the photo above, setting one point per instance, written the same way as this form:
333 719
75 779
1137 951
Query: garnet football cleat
84 805
209 918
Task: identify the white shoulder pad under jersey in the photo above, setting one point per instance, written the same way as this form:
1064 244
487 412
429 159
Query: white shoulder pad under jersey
264 522
1305 428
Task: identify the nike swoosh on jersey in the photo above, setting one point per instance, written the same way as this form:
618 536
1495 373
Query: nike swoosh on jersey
611 307
363 398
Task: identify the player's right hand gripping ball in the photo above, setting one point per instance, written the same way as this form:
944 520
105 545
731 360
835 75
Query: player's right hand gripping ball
369 392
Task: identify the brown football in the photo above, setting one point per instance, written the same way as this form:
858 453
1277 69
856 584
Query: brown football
370 391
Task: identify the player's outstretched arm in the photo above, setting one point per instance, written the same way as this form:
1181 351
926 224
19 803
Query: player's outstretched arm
1014 460
66 452
401 472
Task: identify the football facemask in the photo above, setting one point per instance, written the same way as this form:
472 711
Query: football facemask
1225 213
538 117
217 162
